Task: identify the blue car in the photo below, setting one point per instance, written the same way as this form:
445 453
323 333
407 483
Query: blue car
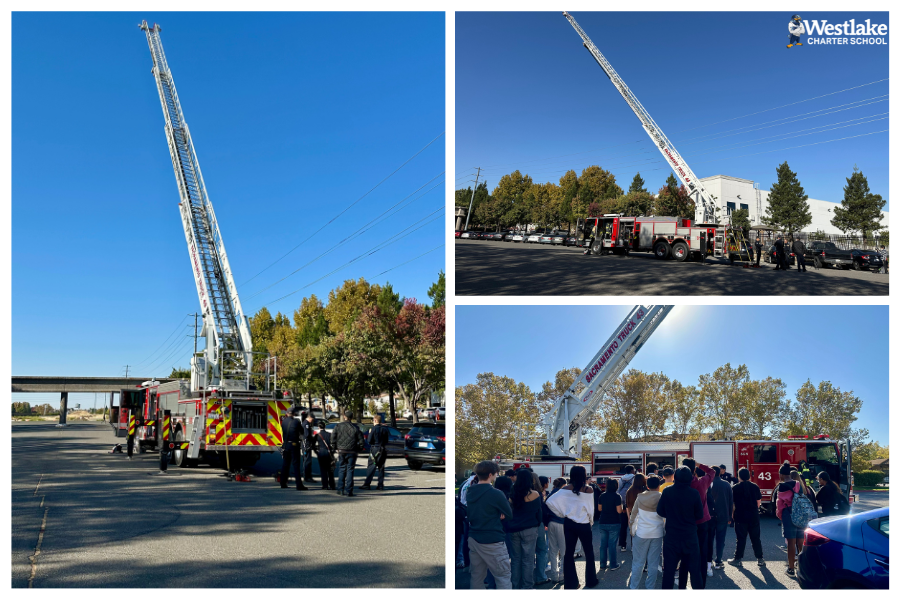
846 551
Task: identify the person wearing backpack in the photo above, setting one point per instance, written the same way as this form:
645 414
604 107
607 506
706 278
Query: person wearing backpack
830 497
788 491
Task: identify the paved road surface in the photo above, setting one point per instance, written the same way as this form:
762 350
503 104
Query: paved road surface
500 268
109 523
748 577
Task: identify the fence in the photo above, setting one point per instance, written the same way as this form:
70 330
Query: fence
845 242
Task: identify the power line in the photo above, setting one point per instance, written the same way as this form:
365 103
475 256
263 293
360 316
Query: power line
351 205
785 105
392 240
407 262
358 232
161 345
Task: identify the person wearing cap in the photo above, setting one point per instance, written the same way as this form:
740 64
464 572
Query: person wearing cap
759 248
724 475
291 436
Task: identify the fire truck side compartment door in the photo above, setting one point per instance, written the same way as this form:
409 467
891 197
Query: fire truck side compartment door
646 235
714 454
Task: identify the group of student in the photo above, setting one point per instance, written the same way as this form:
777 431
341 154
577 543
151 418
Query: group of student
520 530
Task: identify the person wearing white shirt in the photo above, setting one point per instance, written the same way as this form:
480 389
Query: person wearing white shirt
575 503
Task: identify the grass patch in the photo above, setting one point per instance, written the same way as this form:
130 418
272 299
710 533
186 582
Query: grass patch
870 489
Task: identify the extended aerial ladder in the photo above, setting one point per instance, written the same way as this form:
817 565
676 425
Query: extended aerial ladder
226 362
562 426
704 204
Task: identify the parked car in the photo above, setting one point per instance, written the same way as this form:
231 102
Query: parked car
425 444
846 551
572 240
519 236
788 257
458 233
471 235
558 239
826 254
494 236
866 259
533 238
396 442
546 238
317 414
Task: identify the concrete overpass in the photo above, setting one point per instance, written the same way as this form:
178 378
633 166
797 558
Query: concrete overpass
90 385
63 385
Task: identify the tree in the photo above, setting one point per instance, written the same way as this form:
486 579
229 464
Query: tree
860 210
864 453
438 291
568 190
721 394
464 196
762 402
179 373
687 414
510 195
788 208
635 204
824 409
602 184
637 184
741 218
673 200
487 413
633 408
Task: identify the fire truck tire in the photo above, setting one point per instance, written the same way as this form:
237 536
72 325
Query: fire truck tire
597 248
661 250
179 456
680 251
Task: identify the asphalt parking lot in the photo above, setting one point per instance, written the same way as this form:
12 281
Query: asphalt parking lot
100 520
485 268
749 577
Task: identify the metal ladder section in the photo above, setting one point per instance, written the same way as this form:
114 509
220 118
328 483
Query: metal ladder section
195 200
718 249
198 426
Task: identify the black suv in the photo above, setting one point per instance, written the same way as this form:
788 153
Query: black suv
425 444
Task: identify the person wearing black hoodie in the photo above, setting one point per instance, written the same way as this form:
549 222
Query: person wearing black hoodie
681 507
486 508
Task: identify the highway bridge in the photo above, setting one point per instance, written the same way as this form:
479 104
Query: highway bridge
63 385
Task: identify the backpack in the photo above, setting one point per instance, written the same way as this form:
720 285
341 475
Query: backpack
802 510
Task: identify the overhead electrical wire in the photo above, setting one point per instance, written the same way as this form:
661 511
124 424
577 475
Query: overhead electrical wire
407 262
351 205
358 232
164 341
392 240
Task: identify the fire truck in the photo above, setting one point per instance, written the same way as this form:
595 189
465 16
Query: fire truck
226 408
763 458
665 237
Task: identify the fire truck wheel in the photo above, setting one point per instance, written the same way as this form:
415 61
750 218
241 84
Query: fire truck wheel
179 456
680 251
597 248
661 250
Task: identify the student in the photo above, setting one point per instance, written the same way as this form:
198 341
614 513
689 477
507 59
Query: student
575 502
793 537
745 513
524 525
701 484
609 505
724 503
487 508
830 497
681 507
648 529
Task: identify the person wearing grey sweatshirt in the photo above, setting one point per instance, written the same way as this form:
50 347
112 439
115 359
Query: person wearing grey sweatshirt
486 507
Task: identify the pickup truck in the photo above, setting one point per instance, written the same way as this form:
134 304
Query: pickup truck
826 254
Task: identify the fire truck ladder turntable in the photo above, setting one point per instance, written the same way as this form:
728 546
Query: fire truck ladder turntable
561 428
705 207
227 360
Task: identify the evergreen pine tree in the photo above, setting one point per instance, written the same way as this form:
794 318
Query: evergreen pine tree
860 210
637 184
672 184
788 208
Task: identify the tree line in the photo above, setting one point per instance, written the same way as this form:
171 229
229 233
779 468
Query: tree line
644 406
518 201
364 341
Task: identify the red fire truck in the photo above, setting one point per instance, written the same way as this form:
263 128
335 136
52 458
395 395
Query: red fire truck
247 424
666 237
762 457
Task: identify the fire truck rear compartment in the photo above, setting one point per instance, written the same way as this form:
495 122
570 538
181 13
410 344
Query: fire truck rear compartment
249 418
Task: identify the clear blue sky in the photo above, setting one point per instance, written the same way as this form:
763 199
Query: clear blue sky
531 343
294 116
527 92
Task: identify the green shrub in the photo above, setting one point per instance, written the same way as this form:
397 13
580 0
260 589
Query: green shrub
868 478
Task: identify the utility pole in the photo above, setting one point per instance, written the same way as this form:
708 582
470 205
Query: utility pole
469 213
126 371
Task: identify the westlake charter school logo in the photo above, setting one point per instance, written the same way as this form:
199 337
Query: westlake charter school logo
821 32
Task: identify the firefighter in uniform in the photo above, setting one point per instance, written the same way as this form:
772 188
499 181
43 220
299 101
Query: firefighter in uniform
758 246
378 441
292 433
308 443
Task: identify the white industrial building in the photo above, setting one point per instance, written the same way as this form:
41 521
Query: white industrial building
733 193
